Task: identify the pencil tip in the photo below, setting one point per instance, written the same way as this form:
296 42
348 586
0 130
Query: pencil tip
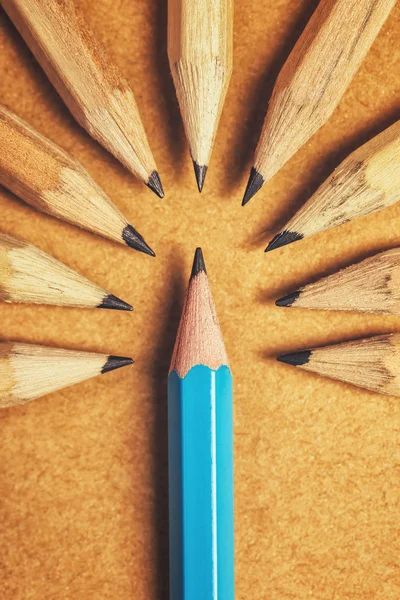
296 358
114 303
154 183
116 362
198 263
200 172
133 239
283 239
256 181
288 300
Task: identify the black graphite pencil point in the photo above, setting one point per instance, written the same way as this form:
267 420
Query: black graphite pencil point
256 181
296 358
116 362
288 300
114 303
283 239
198 263
200 172
154 183
133 239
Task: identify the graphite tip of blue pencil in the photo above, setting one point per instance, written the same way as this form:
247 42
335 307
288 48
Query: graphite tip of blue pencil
198 263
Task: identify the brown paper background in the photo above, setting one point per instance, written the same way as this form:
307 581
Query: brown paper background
83 483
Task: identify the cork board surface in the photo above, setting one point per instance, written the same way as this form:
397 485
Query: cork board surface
83 472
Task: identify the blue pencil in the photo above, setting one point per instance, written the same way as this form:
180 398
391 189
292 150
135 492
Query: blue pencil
200 452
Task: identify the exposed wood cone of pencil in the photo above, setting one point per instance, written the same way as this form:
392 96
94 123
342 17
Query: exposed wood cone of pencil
28 371
372 285
52 181
30 276
200 36
314 79
89 82
368 180
370 363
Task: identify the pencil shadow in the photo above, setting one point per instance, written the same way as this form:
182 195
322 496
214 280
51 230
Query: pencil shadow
172 117
246 134
162 359
320 172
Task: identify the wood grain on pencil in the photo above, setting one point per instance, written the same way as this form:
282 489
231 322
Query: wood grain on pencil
370 363
51 180
28 371
87 80
28 275
373 286
199 339
200 56
366 181
313 80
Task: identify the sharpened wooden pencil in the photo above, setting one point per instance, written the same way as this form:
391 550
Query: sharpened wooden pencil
370 363
366 181
30 276
200 34
200 452
89 82
372 285
314 79
52 181
28 371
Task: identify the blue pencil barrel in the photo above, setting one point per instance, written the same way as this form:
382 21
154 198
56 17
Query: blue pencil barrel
201 485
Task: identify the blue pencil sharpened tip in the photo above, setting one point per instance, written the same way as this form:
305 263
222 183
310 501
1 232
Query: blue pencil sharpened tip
198 263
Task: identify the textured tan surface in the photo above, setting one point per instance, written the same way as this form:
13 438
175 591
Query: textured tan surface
83 482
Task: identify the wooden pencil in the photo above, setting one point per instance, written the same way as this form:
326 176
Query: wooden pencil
200 34
89 82
366 181
200 452
314 79
372 285
30 276
28 371
371 363
52 181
